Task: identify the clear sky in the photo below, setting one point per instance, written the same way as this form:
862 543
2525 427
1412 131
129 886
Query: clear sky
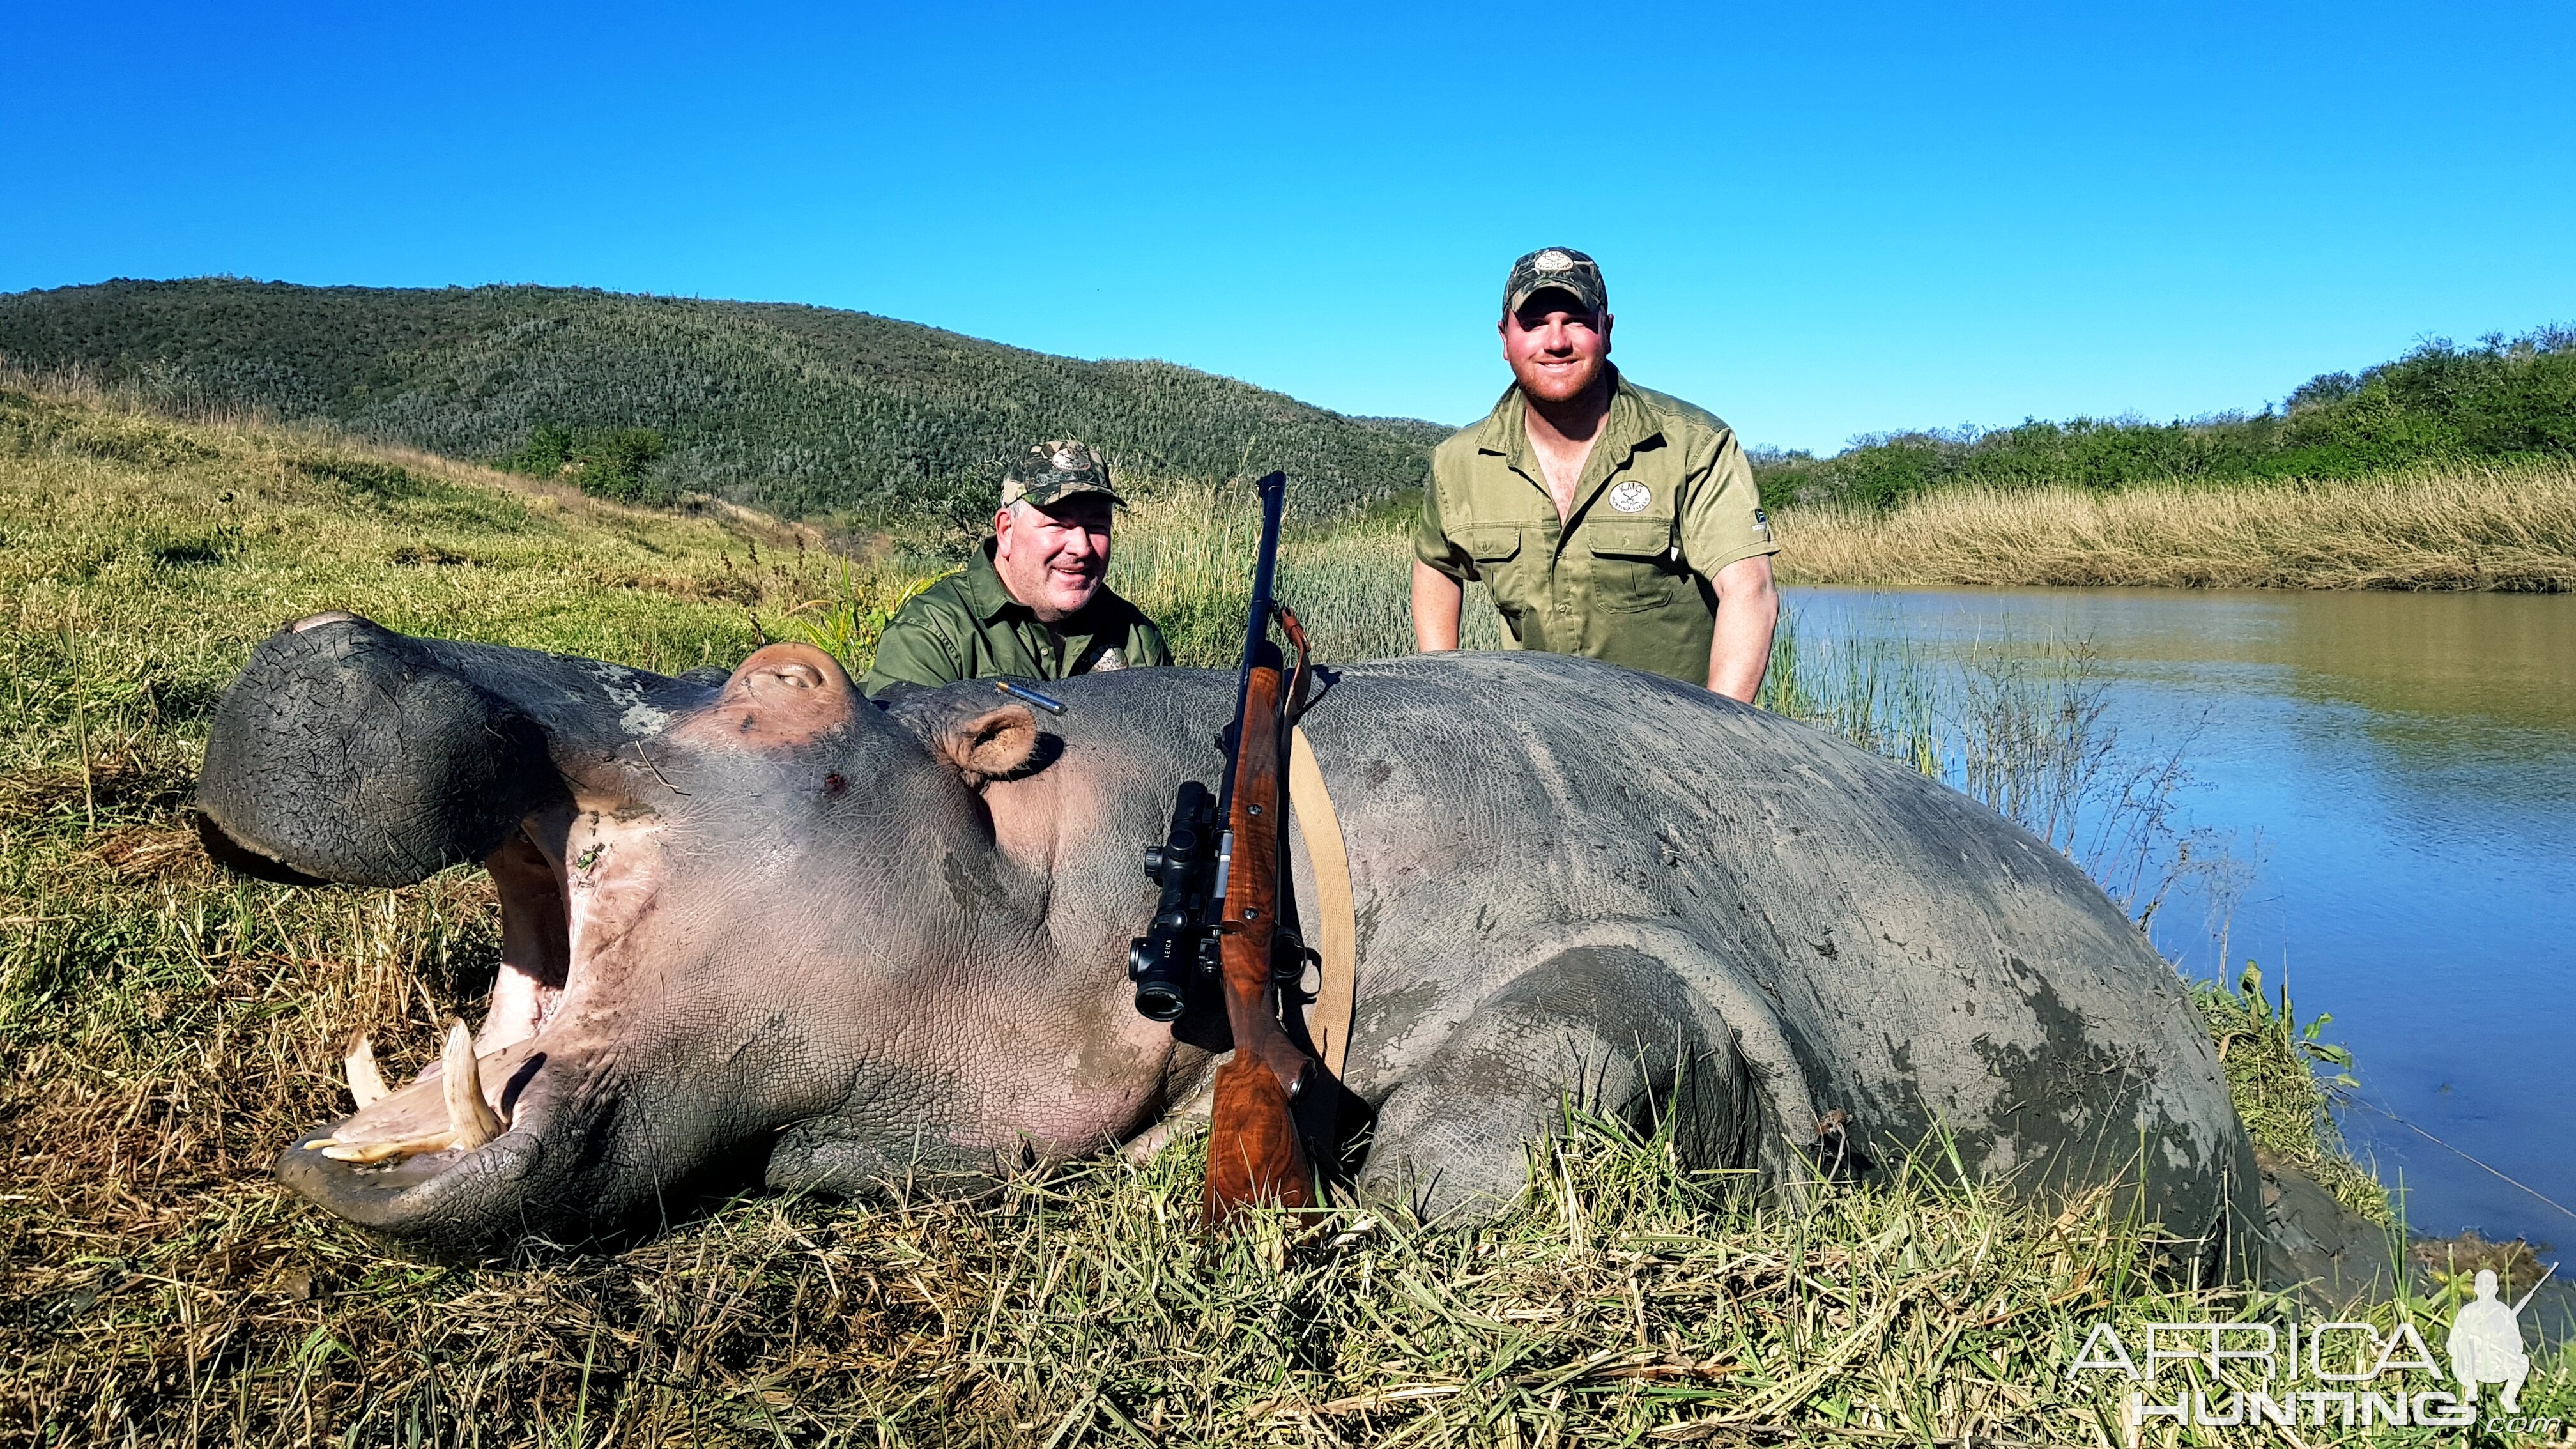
1815 220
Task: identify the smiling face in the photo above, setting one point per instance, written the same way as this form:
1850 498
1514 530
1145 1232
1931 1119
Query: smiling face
1052 559
1557 347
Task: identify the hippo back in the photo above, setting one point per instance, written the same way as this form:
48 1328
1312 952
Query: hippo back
1894 961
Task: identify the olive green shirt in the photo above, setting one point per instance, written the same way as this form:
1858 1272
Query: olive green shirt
1666 500
967 626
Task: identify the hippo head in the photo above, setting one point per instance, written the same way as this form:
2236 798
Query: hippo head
704 940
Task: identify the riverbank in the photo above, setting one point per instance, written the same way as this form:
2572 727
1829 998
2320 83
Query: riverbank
2509 529
167 1027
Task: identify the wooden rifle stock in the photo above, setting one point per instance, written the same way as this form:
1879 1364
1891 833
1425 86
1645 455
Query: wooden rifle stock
1254 1152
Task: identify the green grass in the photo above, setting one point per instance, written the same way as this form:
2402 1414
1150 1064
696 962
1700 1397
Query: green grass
2272 1060
164 1028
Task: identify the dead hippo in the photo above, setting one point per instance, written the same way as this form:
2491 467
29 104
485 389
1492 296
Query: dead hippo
757 928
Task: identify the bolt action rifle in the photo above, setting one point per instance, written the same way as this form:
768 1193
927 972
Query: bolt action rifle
1217 923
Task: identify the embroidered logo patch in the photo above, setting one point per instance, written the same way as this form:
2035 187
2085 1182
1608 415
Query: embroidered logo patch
1631 497
1761 521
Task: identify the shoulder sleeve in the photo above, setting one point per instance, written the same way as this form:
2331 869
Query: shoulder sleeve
916 649
1147 646
1431 541
1721 511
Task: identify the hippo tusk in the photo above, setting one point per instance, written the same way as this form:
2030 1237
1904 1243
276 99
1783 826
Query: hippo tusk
470 1119
366 1154
365 1082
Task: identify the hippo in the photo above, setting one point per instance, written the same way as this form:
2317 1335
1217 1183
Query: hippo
757 929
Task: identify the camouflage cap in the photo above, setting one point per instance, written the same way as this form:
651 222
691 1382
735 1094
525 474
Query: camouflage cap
1560 269
1056 470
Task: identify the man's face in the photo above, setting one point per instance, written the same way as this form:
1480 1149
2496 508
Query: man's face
1556 346
1053 559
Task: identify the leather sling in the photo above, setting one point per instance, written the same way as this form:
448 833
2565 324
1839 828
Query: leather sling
1321 829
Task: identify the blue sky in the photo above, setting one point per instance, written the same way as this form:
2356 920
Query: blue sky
1817 221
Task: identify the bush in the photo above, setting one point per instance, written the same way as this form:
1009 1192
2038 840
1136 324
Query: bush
2502 400
617 464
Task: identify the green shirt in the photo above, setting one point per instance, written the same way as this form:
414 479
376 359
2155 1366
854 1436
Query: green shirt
967 626
1666 500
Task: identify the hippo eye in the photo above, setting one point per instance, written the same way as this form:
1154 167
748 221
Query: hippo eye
832 784
798 676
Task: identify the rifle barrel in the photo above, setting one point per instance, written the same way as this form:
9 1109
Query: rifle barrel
1273 489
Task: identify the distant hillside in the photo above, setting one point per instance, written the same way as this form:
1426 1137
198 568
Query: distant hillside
798 410
2502 400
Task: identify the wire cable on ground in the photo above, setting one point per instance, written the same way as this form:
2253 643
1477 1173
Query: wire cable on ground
2473 1161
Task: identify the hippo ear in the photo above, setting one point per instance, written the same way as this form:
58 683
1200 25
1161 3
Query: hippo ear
783 695
990 745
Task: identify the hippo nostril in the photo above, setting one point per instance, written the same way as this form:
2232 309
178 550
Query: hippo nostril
832 784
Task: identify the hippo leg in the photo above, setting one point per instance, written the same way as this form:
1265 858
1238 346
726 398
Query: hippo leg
1610 1030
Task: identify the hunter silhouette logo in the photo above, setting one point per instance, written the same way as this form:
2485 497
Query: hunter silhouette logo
2486 1342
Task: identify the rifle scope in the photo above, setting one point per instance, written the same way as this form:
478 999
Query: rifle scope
1160 961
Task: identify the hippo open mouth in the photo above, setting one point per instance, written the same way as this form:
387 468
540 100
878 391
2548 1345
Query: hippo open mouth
349 753
567 881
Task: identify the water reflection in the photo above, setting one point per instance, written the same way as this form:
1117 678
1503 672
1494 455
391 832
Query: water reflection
2400 770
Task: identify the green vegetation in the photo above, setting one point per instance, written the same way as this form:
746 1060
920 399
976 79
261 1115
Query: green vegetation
2272 1063
616 464
167 1027
2500 401
802 411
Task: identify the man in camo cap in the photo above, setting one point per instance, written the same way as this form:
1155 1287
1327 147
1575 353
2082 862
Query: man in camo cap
1608 520
1032 604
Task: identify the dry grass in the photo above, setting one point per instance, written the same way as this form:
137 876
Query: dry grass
164 1028
1185 556
2451 528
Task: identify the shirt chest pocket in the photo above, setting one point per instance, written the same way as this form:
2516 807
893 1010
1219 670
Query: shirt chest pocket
1512 566
1632 562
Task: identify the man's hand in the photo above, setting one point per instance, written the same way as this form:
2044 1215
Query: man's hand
1437 599
1740 652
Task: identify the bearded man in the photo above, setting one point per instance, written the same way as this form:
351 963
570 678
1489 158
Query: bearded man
1608 520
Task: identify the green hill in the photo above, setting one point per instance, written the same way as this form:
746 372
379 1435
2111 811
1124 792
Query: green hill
2500 401
798 410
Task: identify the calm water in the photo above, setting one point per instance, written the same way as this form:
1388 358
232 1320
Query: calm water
2400 769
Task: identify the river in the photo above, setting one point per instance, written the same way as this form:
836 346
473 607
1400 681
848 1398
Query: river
2399 772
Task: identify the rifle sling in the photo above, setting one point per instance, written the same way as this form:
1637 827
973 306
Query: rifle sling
1337 924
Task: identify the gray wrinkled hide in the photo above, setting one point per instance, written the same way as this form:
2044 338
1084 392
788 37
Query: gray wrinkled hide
1578 879
1573 881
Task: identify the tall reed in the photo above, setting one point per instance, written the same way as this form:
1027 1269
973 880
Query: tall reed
2448 527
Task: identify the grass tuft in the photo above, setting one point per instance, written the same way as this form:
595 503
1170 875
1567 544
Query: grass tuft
2272 1061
